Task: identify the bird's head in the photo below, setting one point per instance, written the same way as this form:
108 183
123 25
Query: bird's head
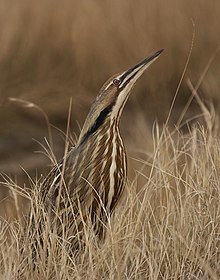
113 96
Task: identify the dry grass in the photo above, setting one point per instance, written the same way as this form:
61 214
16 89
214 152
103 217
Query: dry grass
50 52
169 229
168 224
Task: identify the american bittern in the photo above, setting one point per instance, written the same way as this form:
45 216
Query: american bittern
92 176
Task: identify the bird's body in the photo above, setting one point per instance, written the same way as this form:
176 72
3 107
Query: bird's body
89 181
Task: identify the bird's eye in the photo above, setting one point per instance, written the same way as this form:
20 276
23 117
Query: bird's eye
116 82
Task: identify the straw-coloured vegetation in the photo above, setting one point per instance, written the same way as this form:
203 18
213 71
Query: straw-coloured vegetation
169 229
167 225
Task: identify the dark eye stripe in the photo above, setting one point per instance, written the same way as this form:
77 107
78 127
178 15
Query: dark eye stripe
127 81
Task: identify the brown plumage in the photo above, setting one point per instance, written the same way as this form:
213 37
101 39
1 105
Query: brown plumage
88 183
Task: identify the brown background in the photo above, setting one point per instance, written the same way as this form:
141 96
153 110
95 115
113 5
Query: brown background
52 51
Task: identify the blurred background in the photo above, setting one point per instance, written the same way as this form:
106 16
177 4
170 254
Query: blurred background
52 52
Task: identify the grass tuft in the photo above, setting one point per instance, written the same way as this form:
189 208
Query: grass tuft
168 229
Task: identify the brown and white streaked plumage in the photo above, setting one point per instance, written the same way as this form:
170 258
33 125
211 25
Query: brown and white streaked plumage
93 174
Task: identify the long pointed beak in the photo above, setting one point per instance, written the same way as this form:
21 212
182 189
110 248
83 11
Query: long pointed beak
130 76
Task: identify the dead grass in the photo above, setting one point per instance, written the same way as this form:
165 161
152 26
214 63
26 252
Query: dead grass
53 51
169 229
168 224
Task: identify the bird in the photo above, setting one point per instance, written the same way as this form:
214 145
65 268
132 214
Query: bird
87 184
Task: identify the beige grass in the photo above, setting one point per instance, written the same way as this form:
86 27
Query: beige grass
169 229
168 224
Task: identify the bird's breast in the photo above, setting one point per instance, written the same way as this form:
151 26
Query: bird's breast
99 170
